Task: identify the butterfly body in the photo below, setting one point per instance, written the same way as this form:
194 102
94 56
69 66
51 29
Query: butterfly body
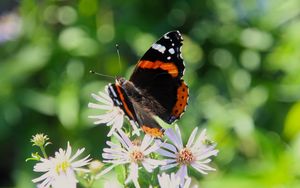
155 88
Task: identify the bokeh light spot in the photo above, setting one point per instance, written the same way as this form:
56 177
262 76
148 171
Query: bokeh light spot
243 124
67 15
77 42
250 59
106 33
50 14
192 52
256 39
222 58
75 70
40 102
241 80
257 96
142 42
68 106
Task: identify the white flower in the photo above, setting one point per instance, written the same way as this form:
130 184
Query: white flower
10 26
196 153
173 181
132 153
59 171
113 116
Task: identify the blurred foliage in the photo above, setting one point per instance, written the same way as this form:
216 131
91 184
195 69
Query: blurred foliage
242 67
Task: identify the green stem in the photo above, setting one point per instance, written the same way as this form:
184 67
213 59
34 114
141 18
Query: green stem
91 181
44 152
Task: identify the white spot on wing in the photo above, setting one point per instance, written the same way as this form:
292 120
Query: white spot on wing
180 35
168 57
172 51
159 47
118 102
180 52
112 90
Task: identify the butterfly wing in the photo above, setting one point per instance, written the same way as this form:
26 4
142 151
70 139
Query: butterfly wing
146 121
135 111
159 74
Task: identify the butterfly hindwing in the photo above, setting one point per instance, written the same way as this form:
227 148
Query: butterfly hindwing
136 112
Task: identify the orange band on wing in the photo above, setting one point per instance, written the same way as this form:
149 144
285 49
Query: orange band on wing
170 67
155 132
182 99
123 101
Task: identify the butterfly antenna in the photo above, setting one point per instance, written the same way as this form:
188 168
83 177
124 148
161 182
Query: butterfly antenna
99 74
118 52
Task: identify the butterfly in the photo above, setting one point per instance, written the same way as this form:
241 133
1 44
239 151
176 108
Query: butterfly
155 88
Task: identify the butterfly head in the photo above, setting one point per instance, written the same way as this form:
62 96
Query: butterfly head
126 85
121 81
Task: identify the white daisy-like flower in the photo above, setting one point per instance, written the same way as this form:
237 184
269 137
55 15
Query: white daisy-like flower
196 153
134 153
173 181
59 171
113 116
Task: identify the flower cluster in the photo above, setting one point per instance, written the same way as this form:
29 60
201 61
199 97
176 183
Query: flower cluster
137 154
196 153
59 171
134 153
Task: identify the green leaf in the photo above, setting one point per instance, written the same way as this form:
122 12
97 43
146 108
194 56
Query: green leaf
292 122
146 179
121 173
35 157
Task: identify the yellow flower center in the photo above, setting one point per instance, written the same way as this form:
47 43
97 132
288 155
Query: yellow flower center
62 167
185 156
136 156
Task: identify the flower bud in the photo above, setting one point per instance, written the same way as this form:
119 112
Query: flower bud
95 166
40 140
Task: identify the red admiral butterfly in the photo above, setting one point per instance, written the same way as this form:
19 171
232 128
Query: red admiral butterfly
156 87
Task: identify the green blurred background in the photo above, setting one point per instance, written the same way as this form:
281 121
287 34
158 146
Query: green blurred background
242 67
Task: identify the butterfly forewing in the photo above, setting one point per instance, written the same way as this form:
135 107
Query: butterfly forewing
158 74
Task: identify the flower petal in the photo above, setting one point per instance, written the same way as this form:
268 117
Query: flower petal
202 168
146 142
169 147
99 106
168 166
151 149
105 171
182 173
192 137
124 139
105 95
166 153
103 99
174 138
179 136
201 138
133 175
